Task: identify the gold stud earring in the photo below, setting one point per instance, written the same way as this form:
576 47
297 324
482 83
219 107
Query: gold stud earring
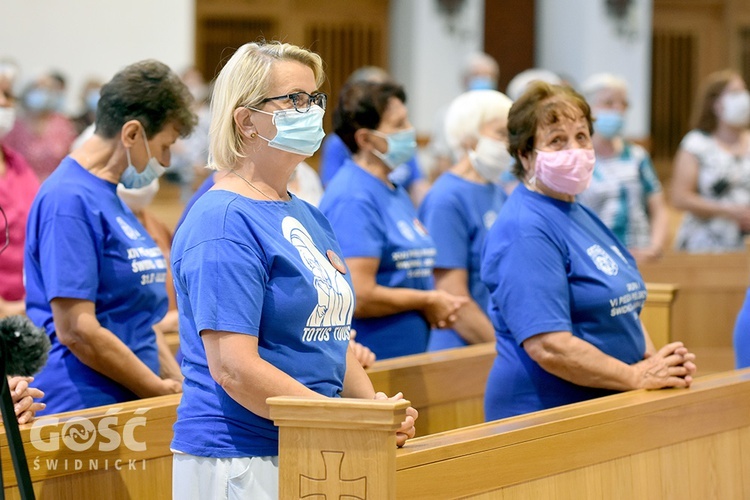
253 135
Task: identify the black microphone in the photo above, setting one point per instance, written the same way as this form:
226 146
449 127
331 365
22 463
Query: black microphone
26 346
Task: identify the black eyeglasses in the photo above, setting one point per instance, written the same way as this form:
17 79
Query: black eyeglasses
302 100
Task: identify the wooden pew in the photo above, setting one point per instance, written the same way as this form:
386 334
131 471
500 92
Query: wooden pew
113 452
712 288
689 444
447 387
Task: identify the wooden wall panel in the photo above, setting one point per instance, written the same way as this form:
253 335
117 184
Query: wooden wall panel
345 47
691 39
509 36
744 49
347 34
221 36
673 87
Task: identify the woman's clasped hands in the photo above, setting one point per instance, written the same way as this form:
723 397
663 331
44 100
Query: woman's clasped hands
671 366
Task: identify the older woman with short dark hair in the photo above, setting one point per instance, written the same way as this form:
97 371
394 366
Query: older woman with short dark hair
566 293
95 279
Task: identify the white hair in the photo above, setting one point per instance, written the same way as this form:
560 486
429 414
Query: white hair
517 86
478 61
469 112
601 81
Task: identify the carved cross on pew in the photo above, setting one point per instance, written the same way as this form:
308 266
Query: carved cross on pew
332 486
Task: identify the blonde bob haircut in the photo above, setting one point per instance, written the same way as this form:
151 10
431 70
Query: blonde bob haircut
245 81
469 112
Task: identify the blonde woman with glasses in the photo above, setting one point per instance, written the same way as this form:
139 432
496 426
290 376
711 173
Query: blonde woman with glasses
265 299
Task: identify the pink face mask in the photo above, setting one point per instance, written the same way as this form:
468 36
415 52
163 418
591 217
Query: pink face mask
568 171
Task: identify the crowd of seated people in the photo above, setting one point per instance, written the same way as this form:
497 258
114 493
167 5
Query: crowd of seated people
466 255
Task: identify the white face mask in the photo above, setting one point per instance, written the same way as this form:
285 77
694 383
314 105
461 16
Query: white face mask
7 120
491 158
138 198
736 108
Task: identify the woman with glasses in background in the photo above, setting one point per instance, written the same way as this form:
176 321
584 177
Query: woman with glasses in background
265 301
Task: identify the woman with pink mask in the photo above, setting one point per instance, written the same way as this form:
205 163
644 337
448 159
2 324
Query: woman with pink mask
565 292
711 180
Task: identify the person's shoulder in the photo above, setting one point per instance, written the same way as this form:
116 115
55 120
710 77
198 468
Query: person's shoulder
351 183
697 142
447 189
218 214
634 151
72 186
526 213
213 206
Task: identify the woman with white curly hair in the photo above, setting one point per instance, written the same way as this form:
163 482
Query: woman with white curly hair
463 204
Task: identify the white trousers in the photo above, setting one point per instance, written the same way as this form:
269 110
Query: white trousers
204 478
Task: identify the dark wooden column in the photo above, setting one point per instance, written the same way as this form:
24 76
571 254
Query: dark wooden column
509 36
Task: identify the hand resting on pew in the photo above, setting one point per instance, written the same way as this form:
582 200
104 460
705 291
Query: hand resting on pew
24 397
407 429
577 361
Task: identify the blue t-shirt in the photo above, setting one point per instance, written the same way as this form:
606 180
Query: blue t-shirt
83 242
371 219
263 269
554 266
335 153
458 213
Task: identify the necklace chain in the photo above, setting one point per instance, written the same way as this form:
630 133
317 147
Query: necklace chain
253 186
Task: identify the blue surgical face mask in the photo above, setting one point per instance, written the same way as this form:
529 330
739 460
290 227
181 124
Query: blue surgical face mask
608 123
402 146
39 100
298 133
481 83
92 100
132 179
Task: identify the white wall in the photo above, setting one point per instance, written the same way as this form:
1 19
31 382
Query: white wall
83 38
427 53
577 38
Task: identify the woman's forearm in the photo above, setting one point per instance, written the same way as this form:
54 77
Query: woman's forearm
356 382
384 301
104 352
473 325
254 380
579 362
167 362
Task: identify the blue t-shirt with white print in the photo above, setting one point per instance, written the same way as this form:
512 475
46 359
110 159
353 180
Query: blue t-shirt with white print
374 220
267 269
554 266
83 242
458 213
